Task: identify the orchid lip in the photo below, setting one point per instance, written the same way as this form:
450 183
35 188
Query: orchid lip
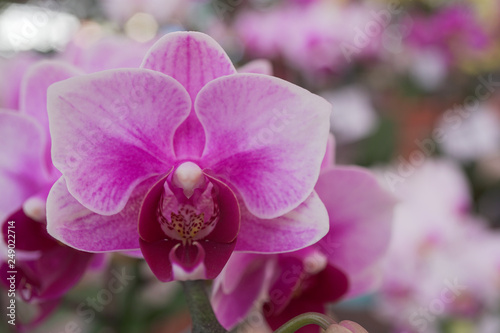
188 265
188 209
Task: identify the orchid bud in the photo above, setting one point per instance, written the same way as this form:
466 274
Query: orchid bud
346 326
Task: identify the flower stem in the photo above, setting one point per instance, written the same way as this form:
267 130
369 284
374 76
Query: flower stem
202 314
306 319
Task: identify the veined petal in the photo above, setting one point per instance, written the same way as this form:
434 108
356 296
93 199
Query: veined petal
360 218
111 130
266 137
33 95
193 59
73 224
303 226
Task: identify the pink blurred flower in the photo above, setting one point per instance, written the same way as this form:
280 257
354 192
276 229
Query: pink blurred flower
454 30
199 155
108 52
472 137
310 37
90 56
354 116
448 262
13 70
122 10
340 265
45 268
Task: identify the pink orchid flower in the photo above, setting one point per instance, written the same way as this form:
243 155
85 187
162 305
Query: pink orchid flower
186 159
13 70
45 268
339 265
311 36
454 31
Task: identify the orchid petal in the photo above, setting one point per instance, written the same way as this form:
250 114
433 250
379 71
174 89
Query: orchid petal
360 215
278 134
233 305
33 96
73 224
303 226
193 59
21 160
237 266
106 147
290 270
54 273
329 159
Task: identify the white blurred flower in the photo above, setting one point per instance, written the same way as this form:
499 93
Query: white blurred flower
473 137
27 27
429 68
123 10
442 261
353 116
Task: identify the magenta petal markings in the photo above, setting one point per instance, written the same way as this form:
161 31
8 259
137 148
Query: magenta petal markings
199 143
